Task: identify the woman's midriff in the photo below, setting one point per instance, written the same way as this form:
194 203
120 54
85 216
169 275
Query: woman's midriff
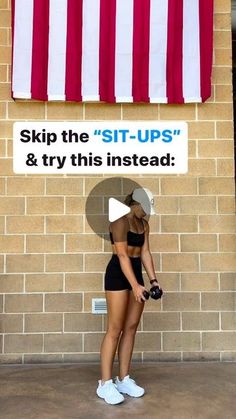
133 252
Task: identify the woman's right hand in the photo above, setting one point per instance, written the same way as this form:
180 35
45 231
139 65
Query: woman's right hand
138 293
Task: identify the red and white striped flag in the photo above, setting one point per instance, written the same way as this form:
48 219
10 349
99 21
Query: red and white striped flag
157 51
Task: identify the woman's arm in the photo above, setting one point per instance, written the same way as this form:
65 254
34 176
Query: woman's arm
119 231
146 256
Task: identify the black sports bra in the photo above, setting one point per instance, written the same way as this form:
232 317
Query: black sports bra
133 239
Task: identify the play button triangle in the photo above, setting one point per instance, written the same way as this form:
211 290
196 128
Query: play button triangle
116 209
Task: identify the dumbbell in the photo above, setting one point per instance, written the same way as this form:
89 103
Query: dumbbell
155 293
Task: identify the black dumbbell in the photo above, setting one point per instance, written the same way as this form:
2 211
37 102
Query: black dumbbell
155 293
146 295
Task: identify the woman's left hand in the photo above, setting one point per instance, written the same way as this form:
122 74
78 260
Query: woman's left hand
155 283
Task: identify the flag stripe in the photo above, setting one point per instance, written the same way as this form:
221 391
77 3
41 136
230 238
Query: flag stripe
39 74
57 49
22 48
90 50
158 47
124 45
157 51
141 50
74 50
191 51
206 46
175 52
107 50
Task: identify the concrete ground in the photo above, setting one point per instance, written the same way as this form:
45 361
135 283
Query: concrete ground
199 390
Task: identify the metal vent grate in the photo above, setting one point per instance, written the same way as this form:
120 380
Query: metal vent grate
99 306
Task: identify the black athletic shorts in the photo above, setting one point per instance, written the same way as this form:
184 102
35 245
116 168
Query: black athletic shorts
115 280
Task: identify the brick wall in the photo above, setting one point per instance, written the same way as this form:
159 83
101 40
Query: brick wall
51 265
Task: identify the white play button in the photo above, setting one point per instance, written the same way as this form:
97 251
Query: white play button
116 209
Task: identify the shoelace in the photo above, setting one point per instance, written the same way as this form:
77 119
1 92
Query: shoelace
130 379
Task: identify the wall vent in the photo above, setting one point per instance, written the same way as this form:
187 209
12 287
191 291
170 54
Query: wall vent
99 306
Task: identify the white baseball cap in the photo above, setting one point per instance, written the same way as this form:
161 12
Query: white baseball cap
145 197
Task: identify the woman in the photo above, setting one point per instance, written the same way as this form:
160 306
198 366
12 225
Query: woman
130 245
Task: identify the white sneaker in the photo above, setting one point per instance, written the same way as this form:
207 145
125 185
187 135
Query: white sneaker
109 392
128 386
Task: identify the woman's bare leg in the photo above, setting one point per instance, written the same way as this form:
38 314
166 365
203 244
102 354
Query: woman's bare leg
116 308
126 343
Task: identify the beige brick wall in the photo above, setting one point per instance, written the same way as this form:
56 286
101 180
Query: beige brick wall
51 264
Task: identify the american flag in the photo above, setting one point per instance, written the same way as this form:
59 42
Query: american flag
157 51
